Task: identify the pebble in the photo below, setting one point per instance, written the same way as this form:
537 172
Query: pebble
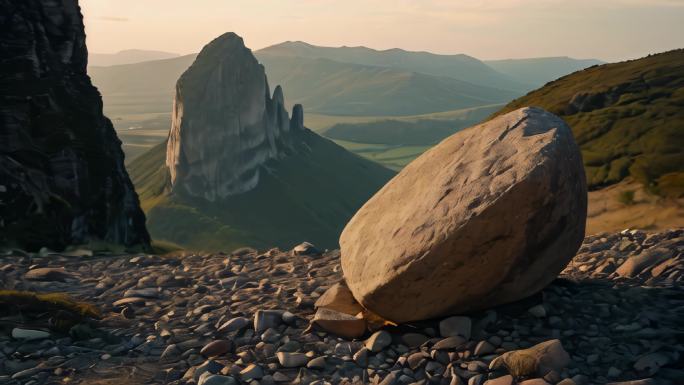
216 348
265 319
29 334
251 372
234 325
378 341
292 360
455 326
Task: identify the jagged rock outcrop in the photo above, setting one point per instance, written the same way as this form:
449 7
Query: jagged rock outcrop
489 216
62 175
225 123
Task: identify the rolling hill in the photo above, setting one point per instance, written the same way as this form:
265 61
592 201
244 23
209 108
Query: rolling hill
537 71
462 67
334 88
628 119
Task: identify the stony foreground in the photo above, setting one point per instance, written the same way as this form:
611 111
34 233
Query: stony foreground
616 310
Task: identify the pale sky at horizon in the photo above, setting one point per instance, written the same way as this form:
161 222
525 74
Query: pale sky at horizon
609 30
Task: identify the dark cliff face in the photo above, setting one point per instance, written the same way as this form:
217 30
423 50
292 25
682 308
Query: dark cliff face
62 175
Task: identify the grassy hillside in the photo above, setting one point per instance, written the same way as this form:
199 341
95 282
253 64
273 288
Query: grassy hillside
462 67
628 119
537 71
306 196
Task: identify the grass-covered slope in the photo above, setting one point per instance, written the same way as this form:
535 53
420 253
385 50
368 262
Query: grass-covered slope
628 119
309 195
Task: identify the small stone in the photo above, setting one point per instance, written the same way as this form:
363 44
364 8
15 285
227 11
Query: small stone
538 311
316 363
361 357
450 343
251 372
280 377
534 381
341 324
265 319
171 353
339 298
614 372
378 341
483 348
455 326
504 380
305 248
477 379
129 301
537 360
29 334
215 379
233 325
651 363
292 360
414 340
216 348
48 274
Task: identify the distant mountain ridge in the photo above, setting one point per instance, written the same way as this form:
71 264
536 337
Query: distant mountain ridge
459 66
537 71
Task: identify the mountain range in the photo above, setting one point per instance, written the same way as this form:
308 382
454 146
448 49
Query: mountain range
336 86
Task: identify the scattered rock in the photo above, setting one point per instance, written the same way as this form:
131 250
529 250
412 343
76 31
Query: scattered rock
305 248
216 348
339 298
48 274
378 341
455 326
341 324
537 360
29 334
292 360
265 319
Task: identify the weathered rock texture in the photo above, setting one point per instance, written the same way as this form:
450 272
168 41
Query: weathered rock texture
225 123
62 175
488 216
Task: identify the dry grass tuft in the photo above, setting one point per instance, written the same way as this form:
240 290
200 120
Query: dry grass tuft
40 302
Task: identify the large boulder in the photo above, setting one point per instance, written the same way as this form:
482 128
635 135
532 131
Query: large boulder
489 216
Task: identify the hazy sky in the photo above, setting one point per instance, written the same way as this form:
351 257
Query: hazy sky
487 29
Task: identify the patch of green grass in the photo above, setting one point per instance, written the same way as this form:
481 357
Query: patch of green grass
626 117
